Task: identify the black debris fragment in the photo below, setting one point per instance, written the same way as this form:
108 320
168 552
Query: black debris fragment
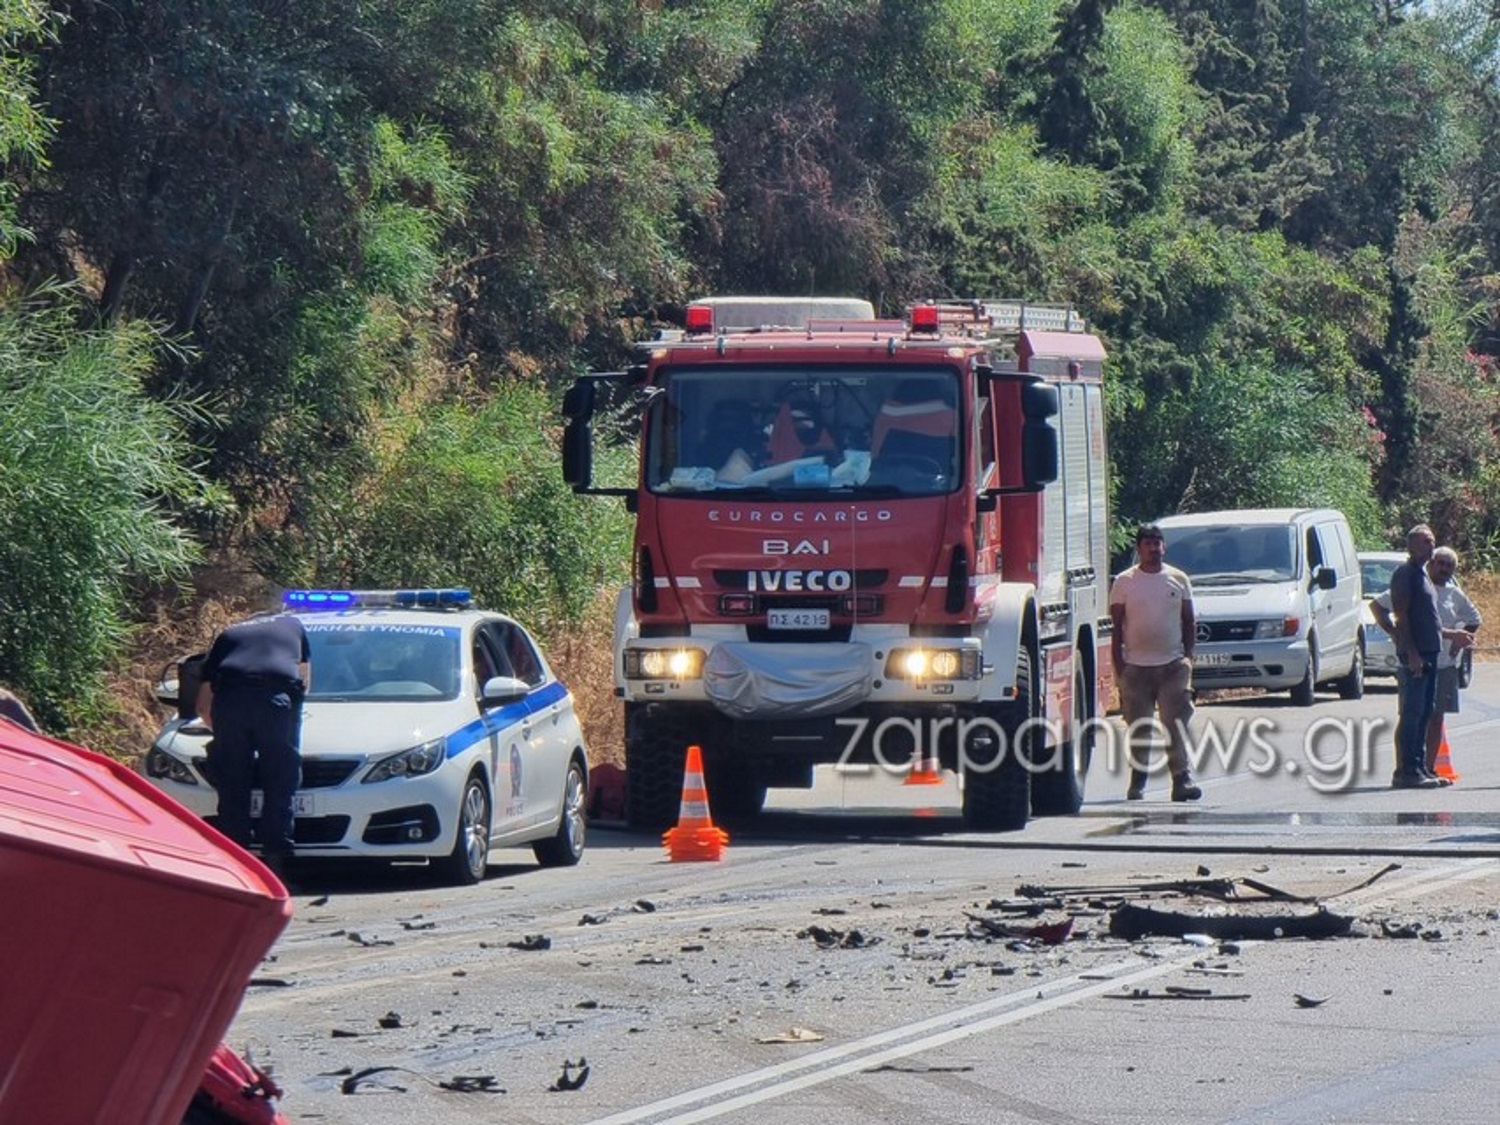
573 1076
1308 1001
321 900
1176 994
268 982
360 1078
593 919
837 939
340 1033
390 1021
414 925
473 1084
1132 922
531 943
645 906
359 939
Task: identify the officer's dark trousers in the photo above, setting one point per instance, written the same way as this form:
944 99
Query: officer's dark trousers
256 734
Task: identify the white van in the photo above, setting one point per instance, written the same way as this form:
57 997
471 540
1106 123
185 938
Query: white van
1277 595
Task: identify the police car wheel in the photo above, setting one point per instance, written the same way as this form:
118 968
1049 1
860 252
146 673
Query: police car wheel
565 848
465 865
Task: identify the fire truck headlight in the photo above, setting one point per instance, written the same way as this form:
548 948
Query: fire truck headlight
933 664
663 663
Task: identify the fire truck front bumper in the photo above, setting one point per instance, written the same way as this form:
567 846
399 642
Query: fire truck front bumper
761 682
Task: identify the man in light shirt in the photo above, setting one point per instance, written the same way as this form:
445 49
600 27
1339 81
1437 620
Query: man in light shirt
1151 605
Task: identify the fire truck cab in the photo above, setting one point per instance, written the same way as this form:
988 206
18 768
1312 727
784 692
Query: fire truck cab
861 542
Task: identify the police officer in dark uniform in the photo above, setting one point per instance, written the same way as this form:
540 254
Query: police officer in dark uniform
254 679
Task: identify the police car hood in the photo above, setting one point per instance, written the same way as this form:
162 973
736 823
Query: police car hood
341 730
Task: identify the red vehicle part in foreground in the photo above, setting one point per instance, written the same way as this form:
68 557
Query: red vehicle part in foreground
138 927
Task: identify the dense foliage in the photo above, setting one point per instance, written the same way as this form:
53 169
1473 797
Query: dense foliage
368 242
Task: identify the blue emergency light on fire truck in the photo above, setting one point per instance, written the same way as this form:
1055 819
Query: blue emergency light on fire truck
861 542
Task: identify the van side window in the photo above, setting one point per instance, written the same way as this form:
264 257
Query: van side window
1314 550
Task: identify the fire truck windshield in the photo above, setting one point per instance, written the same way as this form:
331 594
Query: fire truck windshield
808 429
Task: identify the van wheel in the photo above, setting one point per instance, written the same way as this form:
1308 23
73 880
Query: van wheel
1352 686
1304 692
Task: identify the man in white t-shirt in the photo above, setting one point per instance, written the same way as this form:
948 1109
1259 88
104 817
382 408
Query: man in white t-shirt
1151 605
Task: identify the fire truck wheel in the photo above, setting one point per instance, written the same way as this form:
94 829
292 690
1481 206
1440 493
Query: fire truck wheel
1057 789
735 791
654 756
997 781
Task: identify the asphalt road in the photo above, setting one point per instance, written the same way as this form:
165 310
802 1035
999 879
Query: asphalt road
857 957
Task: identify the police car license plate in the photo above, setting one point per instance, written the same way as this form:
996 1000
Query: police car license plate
303 804
797 619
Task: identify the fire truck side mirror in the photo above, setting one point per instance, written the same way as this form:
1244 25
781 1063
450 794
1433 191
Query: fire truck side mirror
1039 457
578 401
578 454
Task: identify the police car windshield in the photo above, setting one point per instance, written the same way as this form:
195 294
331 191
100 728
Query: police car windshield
812 430
383 662
1230 554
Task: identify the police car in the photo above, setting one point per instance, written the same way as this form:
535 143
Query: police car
431 730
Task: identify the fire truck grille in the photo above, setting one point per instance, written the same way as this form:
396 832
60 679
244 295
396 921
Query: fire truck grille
864 580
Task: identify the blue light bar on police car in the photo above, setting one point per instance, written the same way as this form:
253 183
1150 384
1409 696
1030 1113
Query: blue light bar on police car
451 598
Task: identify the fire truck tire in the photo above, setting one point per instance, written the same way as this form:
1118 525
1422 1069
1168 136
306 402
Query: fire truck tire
655 753
1058 791
997 790
736 793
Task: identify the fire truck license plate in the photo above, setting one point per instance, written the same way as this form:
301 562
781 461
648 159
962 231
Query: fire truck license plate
303 804
796 619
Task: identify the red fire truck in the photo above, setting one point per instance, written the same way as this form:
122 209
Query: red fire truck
859 542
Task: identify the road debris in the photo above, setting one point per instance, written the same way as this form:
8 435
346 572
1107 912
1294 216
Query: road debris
1171 993
573 1076
837 939
1308 1001
459 1084
531 943
792 1035
1045 933
1133 922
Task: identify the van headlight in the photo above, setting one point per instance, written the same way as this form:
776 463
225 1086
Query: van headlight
932 664
663 663
1277 627
415 762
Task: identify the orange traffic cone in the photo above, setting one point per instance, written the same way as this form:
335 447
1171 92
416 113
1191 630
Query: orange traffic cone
1443 764
924 771
695 837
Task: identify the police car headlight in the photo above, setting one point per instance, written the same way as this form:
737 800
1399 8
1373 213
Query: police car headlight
409 763
932 664
163 767
663 663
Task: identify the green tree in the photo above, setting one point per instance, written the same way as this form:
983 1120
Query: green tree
93 473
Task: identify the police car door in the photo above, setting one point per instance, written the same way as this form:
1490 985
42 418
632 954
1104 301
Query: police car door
504 725
536 772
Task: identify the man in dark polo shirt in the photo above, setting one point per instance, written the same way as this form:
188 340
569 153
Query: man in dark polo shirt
254 679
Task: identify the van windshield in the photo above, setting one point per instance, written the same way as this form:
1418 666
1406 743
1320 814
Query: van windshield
1222 554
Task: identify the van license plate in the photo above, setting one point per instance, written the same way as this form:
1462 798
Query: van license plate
1210 659
797 619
